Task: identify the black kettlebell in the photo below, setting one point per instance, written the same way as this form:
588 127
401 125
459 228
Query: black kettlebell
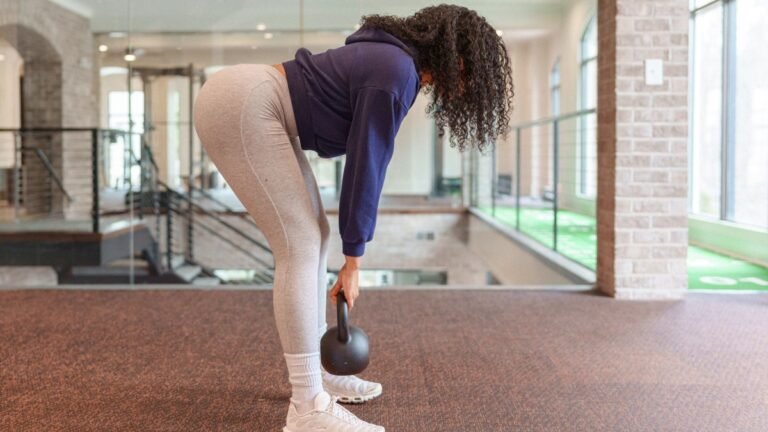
344 349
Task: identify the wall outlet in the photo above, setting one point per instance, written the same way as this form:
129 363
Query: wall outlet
654 72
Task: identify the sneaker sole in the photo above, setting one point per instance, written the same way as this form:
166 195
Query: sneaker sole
359 399
285 429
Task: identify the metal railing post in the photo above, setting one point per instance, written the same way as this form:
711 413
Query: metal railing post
518 136
555 177
16 175
493 181
169 229
156 211
191 177
142 174
95 179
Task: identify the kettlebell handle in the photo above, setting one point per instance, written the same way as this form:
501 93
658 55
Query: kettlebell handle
342 314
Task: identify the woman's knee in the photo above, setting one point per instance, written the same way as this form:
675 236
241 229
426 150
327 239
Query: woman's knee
303 243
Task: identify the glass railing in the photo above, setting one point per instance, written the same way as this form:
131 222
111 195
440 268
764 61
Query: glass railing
542 182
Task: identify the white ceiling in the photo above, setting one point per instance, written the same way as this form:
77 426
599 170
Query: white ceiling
243 15
210 32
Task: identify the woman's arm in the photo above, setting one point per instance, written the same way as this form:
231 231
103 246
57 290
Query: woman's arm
377 116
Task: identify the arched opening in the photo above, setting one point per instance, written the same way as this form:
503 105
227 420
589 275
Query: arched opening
11 72
31 72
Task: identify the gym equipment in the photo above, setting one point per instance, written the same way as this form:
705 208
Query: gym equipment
344 349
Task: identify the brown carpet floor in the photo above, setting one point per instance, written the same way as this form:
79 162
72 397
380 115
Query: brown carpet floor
448 361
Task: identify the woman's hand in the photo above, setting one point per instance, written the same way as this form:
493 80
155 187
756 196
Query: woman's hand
348 280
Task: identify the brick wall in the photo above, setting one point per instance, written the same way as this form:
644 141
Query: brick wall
642 149
61 82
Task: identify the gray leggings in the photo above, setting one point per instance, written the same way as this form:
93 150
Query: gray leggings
244 118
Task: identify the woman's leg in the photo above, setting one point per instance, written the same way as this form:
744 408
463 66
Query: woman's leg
310 183
351 389
325 231
243 128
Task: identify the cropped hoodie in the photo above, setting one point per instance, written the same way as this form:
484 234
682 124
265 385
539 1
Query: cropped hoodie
351 100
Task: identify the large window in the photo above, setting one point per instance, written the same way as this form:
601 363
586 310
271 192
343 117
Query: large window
118 158
554 88
587 157
729 111
706 111
554 102
748 191
118 110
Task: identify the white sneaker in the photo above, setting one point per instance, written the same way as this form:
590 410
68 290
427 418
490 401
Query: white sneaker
326 416
349 388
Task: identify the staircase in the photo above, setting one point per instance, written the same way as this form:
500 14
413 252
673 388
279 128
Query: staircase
156 245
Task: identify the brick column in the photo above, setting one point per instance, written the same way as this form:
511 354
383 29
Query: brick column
642 212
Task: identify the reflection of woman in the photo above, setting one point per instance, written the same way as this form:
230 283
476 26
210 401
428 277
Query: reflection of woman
255 120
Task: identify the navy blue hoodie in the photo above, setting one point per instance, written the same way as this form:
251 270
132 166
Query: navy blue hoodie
351 100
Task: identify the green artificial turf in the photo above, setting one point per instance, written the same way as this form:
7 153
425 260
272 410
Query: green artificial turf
577 240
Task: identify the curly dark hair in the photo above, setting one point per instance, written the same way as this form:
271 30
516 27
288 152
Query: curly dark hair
472 86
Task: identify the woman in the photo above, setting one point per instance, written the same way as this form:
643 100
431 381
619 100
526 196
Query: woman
255 121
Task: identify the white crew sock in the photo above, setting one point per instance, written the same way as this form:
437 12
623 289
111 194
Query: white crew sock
304 374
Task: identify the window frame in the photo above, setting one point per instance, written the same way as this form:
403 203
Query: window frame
581 169
555 87
727 108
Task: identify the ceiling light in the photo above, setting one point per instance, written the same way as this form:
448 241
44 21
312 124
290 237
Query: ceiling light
268 35
2 57
117 34
103 48
129 55
499 32
357 26
261 27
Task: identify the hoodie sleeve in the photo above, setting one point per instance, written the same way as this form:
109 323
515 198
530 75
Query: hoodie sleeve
377 116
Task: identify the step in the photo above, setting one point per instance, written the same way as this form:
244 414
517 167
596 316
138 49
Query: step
105 271
262 278
126 262
206 281
24 276
188 272
177 261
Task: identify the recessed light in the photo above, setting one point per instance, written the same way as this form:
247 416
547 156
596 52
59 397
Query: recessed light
129 55
357 26
2 57
103 48
499 32
261 27
268 35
